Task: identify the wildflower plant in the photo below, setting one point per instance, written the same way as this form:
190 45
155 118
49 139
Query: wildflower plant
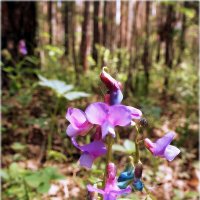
103 117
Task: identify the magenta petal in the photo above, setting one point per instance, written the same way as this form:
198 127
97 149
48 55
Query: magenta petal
94 189
122 191
171 152
161 144
76 117
107 128
71 131
135 113
86 160
95 148
97 113
119 115
73 140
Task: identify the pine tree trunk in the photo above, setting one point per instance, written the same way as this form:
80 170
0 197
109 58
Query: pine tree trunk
50 21
96 29
145 59
133 57
105 23
168 46
66 27
85 36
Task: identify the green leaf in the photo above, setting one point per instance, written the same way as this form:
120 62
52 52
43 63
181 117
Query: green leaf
129 146
18 146
75 95
52 173
57 156
58 86
117 147
15 170
34 180
44 187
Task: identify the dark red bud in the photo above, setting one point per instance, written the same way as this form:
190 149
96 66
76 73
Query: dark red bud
138 170
109 81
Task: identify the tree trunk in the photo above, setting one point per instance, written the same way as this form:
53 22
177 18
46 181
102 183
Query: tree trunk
85 36
168 30
182 38
96 29
66 27
133 58
50 21
105 23
73 31
145 59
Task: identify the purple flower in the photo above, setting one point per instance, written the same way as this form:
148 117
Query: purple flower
108 116
111 190
162 147
90 152
22 47
79 124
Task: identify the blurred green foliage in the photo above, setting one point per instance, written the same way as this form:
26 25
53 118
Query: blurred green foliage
23 184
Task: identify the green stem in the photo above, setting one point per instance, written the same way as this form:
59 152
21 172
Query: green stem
53 123
108 156
137 153
26 190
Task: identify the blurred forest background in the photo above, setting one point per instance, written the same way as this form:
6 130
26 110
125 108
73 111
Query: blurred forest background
52 54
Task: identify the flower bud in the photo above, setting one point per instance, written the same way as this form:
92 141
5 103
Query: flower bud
138 170
143 122
138 185
111 169
109 81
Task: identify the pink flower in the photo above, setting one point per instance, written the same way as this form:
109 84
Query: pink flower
79 124
111 190
110 116
162 147
90 151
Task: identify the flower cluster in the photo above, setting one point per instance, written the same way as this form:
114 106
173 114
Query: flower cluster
101 119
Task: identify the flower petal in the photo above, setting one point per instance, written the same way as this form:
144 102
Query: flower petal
116 97
149 145
119 115
107 128
171 152
124 176
162 143
138 185
86 160
95 148
73 131
74 142
76 117
97 113
135 113
94 189
122 191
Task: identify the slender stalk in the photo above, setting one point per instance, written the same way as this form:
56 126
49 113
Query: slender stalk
26 190
53 123
137 153
108 156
